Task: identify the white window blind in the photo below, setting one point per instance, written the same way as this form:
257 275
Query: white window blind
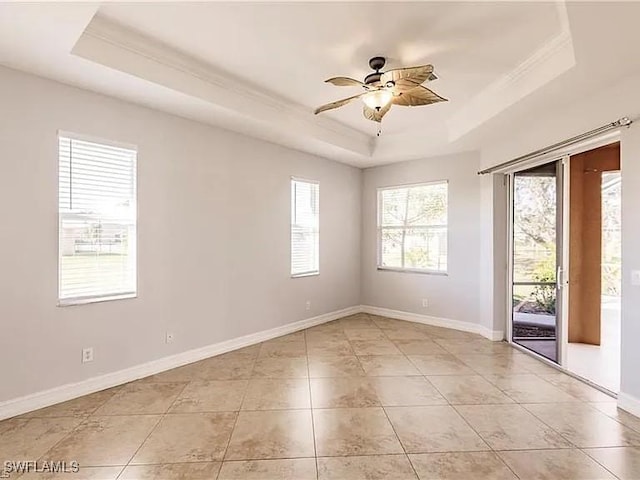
97 221
305 227
412 227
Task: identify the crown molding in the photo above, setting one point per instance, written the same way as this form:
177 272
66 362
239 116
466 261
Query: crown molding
551 60
264 114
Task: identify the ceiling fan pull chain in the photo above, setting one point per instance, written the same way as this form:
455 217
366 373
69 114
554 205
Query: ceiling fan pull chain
379 130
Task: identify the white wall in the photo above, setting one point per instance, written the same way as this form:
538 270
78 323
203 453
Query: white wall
456 295
213 237
604 106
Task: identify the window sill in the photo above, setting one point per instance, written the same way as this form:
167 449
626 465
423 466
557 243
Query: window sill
414 270
70 302
307 274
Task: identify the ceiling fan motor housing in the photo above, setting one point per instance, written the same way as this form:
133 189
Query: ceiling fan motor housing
377 63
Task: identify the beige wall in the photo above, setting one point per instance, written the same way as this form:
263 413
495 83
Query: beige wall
456 295
213 237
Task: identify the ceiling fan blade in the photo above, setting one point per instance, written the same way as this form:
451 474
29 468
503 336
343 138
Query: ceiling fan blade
375 115
416 97
336 104
409 75
345 82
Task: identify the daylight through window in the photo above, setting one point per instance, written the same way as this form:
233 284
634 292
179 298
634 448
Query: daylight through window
412 227
97 221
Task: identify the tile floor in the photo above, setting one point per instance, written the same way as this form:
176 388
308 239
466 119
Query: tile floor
361 398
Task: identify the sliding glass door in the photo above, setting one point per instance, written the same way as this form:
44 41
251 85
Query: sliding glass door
537 232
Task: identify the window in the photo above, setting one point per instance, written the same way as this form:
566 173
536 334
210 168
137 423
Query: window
305 227
97 221
412 227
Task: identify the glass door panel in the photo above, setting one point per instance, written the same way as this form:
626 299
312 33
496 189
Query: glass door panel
536 256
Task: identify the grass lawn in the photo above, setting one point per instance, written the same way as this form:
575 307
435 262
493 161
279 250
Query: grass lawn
88 274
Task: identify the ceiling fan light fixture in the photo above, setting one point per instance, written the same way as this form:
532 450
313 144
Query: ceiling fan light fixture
377 99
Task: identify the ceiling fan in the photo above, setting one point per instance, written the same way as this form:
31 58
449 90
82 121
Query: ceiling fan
401 86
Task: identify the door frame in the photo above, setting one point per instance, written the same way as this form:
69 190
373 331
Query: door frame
563 155
562 254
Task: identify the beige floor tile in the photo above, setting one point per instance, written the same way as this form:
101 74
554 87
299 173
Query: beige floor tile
272 434
387 365
355 438
379 467
375 347
354 431
22 439
532 364
625 418
226 367
315 338
277 393
187 437
283 349
461 466
419 347
291 337
487 364
386 323
529 388
448 334
440 365
567 464
248 352
406 333
142 398
329 348
406 391
357 321
364 334
211 396
334 326
285 469
105 441
185 373
222 367
78 407
623 462
290 367
510 427
84 473
341 366
576 388
343 392
585 426
433 429
469 347
174 471
468 389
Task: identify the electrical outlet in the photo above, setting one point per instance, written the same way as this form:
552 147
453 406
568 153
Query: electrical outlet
308 305
169 337
425 303
87 355
635 278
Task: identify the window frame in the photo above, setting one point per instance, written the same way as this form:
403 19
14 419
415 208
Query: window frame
310 273
89 299
379 228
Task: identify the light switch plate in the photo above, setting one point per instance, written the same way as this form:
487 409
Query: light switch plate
635 278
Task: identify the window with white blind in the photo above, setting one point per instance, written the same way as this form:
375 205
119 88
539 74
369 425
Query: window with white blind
97 221
412 227
305 227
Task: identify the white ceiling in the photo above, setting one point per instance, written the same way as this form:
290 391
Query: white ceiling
258 68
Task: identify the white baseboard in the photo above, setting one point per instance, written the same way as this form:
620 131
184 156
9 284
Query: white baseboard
629 403
493 335
45 398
